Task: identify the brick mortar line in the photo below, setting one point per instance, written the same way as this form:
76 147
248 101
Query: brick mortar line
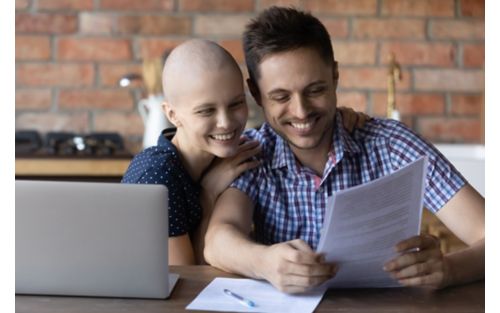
54 108
447 104
460 55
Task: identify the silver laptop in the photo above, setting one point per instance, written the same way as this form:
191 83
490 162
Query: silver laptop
92 239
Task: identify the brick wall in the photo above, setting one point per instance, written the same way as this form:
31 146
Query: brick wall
71 53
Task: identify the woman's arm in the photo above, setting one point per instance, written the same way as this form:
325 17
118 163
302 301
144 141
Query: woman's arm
216 179
180 251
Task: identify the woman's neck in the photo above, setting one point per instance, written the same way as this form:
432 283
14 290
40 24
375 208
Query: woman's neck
194 160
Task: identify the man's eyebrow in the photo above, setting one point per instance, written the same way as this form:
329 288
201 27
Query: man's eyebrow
281 90
319 82
276 91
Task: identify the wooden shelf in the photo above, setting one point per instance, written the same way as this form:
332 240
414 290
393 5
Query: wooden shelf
71 167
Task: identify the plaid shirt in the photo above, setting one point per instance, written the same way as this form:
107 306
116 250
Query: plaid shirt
290 199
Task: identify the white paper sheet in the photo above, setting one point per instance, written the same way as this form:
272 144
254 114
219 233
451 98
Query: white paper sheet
364 223
264 295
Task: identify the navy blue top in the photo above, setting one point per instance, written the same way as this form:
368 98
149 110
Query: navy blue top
161 164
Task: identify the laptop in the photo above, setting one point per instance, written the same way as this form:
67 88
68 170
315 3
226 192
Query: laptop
92 239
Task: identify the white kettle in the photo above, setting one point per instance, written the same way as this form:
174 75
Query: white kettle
154 119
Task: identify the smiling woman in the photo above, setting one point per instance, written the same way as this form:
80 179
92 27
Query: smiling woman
205 100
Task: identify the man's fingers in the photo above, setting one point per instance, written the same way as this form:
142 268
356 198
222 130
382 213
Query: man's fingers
418 269
306 281
432 280
298 251
410 258
421 242
323 269
301 245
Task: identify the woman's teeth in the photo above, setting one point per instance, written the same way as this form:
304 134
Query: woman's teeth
223 137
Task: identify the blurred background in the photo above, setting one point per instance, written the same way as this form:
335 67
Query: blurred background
70 56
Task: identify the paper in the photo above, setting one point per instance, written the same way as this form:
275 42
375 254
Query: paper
264 295
364 223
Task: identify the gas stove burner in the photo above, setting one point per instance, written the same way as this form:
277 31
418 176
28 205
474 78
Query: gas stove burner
101 144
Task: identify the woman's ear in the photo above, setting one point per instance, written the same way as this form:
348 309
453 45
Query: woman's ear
169 112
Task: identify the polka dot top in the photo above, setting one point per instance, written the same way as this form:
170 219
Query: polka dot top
161 164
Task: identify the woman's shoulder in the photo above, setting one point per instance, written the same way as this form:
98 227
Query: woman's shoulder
155 165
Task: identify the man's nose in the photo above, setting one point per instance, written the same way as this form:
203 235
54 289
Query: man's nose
299 107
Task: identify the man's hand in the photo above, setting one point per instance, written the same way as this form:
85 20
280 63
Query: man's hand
353 120
294 267
421 263
222 172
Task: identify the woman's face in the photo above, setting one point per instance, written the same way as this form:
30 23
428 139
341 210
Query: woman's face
211 112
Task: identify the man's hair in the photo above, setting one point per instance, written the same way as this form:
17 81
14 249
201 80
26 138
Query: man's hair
280 29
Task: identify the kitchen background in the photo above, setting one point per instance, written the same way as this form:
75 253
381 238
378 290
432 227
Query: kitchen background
70 56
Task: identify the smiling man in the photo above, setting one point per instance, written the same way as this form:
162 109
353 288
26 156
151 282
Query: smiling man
306 157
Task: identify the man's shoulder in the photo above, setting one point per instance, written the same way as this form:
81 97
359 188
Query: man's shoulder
384 129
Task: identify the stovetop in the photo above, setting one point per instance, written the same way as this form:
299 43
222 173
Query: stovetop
30 143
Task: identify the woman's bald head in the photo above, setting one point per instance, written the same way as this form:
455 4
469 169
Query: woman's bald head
191 63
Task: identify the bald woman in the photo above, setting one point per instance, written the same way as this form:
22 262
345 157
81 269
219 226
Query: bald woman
205 100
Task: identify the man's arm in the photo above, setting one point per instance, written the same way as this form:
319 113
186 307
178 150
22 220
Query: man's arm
290 266
464 216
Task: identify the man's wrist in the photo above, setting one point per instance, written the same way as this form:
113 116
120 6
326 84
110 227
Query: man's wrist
449 271
258 253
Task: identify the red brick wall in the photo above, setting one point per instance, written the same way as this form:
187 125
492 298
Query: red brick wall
70 54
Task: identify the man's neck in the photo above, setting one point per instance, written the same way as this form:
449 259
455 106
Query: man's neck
315 158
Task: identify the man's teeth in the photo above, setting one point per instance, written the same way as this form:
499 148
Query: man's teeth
228 136
302 125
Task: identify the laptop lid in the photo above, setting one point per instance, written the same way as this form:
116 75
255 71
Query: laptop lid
92 239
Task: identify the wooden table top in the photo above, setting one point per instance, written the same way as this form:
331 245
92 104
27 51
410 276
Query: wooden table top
71 167
468 298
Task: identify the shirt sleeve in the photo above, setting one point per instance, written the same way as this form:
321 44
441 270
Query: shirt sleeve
153 167
443 180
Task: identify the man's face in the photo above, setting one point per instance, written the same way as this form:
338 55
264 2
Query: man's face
212 111
297 94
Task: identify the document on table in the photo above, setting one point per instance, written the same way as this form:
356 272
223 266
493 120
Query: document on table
265 297
363 224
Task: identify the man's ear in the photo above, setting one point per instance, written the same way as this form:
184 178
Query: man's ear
335 73
170 114
254 90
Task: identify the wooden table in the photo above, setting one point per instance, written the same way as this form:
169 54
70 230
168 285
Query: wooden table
79 169
468 298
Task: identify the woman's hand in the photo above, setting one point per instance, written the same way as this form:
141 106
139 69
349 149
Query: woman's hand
353 120
421 263
222 172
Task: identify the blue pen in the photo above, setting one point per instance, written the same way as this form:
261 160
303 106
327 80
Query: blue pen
240 299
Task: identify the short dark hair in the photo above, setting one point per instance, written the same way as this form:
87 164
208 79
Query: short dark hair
280 29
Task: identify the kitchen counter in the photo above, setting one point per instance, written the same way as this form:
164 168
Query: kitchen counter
45 167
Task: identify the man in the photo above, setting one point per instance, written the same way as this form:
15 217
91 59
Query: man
306 157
